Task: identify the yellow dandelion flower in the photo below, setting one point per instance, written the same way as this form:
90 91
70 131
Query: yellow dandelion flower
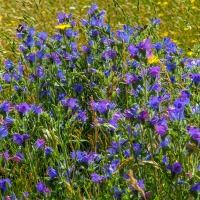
165 3
192 1
165 34
190 53
159 3
63 26
160 14
153 60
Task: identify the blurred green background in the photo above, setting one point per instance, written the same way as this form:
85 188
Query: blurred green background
180 18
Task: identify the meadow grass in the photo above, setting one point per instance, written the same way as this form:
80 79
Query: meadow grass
92 111
179 18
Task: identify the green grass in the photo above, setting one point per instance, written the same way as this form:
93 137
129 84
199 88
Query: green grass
179 18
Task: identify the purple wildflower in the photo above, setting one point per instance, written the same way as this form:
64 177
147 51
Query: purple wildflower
143 115
18 157
78 88
194 133
48 150
40 187
20 139
52 172
155 72
23 108
3 184
97 179
39 144
8 64
3 131
161 129
195 187
133 50
81 116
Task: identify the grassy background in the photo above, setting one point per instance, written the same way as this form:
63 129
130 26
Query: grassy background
179 18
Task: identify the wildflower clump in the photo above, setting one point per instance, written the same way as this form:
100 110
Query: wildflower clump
116 117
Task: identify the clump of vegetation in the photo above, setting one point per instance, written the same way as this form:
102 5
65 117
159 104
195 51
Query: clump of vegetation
116 117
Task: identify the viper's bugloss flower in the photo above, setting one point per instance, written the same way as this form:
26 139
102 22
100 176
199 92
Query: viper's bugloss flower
143 115
29 42
26 194
37 109
72 103
176 114
131 113
82 116
194 133
103 106
23 108
195 78
155 21
48 150
161 129
146 46
195 187
170 66
154 102
8 64
82 156
78 88
158 46
109 54
130 78
5 106
165 143
40 187
39 144
18 157
154 72
97 179
133 50
52 172
165 160
92 10
6 155
4 183
56 58
61 17
20 139
7 77
3 131
176 167
8 121
42 35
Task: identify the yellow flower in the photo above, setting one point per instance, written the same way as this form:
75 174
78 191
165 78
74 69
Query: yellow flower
190 53
165 34
194 8
192 1
153 60
176 41
194 41
63 26
186 29
160 14
165 3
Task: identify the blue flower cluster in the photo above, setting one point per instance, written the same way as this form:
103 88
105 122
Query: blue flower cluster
108 118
